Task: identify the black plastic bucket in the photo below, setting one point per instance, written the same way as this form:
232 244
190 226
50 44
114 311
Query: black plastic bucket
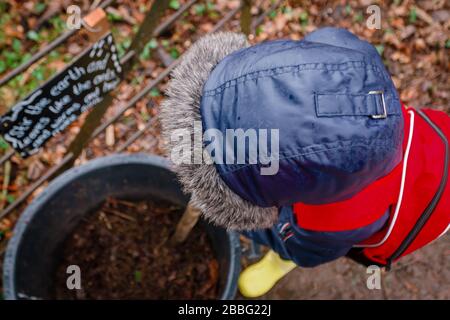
35 248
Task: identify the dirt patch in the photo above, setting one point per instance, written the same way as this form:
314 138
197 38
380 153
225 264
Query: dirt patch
123 253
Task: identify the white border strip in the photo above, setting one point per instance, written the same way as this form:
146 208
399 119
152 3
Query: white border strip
402 186
444 232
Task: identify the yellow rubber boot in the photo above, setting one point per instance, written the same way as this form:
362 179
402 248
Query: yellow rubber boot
260 277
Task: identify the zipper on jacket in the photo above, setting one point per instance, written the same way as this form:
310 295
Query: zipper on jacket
433 203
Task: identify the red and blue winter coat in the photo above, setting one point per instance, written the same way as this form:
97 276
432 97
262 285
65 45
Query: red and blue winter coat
357 171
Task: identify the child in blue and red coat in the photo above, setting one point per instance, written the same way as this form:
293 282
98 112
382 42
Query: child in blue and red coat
358 173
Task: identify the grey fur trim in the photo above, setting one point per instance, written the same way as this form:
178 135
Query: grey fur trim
218 203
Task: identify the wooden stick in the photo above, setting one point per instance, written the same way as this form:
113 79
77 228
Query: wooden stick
6 178
185 225
119 214
246 16
96 21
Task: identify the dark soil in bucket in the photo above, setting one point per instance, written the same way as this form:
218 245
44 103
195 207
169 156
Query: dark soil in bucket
123 253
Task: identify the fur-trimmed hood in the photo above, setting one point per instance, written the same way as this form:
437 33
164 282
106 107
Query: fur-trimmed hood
181 108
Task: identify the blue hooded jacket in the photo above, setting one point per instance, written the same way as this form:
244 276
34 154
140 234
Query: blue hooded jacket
316 93
340 128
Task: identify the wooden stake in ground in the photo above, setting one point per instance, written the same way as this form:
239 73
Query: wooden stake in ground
185 225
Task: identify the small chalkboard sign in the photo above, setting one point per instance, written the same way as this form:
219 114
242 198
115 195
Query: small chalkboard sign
51 108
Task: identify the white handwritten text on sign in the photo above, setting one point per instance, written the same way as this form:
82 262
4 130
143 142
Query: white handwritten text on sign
51 108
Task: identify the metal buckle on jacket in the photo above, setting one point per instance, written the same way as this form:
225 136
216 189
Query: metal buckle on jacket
384 114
